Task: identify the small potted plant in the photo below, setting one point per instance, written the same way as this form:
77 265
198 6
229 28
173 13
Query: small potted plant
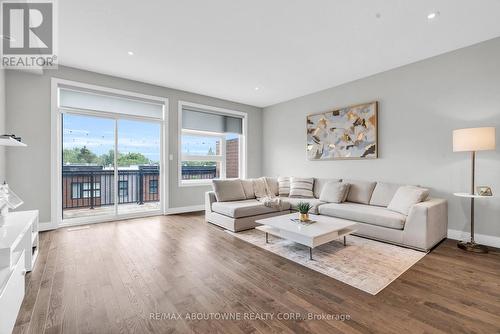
303 208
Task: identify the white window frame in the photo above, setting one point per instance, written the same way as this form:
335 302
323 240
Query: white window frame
56 149
242 151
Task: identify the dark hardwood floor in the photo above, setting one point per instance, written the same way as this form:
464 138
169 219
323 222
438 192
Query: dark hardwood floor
111 277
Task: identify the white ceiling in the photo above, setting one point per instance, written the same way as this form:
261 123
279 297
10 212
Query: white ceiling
287 48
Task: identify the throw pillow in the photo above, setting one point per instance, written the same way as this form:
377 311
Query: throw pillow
319 184
228 190
406 197
301 187
283 186
334 192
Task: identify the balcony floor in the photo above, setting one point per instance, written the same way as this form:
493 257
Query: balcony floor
107 210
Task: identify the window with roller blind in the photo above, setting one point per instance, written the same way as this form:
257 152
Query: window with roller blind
211 144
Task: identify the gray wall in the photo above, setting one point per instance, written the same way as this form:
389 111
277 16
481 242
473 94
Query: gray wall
28 102
420 105
2 124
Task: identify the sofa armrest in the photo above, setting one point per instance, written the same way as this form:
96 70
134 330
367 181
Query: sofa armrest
427 223
209 199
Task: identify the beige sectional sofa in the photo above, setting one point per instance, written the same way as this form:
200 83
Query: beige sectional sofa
425 225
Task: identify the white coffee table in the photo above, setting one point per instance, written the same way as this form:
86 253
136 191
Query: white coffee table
325 229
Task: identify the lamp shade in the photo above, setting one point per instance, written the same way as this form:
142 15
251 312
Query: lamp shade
474 139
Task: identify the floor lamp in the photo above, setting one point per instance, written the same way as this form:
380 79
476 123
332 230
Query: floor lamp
473 140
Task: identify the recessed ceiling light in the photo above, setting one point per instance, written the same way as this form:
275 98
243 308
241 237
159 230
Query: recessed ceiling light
130 53
432 15
256 88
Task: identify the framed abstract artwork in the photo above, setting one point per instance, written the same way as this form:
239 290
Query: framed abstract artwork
345 133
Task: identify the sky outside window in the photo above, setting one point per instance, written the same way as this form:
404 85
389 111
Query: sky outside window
199 145
97 134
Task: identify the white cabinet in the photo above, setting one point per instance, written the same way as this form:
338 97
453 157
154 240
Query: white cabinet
18 252
18 232
11 295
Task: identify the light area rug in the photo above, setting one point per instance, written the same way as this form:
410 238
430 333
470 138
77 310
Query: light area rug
365 264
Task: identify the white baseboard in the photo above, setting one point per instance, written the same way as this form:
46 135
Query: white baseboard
482 239
185 209
46 226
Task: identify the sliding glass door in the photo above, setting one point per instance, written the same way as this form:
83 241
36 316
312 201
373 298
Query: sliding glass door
111 166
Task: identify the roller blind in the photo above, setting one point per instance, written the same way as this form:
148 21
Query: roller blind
97 101
193 119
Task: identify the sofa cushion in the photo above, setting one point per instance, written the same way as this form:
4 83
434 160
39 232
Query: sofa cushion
240 209
383 193
272 183
248 188
360 191
301 187
406 197
260 187
319 183
228 190
369 214
315 203
283 185
334 192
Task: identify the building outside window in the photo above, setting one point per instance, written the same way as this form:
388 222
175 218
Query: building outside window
153 186
84 190
76 190
123 188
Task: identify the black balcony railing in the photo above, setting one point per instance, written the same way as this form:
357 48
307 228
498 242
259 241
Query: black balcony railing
91 186
199 172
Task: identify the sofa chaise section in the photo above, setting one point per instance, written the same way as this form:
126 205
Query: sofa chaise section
241 209
237 215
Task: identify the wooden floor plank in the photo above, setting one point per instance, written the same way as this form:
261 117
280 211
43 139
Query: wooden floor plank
130 276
